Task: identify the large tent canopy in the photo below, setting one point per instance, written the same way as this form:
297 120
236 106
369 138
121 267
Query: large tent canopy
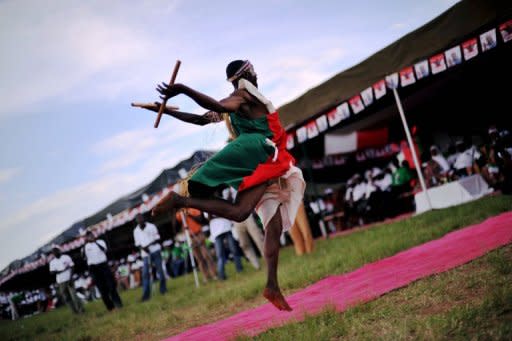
463 19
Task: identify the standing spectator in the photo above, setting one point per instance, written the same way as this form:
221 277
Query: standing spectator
95 251
123 273
220 229
243 230
62 265
146 237
194 221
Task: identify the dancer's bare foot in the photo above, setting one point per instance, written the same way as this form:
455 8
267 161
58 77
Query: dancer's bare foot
171 201
276 298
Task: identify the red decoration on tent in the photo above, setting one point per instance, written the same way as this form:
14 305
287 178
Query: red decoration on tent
407 76
379 88
437 63
312 129
506 31
356 103
470 48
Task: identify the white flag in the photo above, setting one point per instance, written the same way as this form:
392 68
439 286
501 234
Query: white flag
453 56
380 89
356 104
392 81
302 134
312 129
321 123
367 95
488 40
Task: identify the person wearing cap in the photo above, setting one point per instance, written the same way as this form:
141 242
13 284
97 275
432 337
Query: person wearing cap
95 252
61 266
147 238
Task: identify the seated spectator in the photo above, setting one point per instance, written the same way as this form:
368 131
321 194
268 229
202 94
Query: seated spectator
465 160
444 166
220 229
452 155
402 178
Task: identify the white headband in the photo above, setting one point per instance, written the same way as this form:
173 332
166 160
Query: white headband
245 66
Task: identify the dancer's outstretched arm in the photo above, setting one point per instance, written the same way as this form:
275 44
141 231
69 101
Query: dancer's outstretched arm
229 104
207 118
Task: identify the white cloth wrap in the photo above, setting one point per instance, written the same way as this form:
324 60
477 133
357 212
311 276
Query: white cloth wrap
287 197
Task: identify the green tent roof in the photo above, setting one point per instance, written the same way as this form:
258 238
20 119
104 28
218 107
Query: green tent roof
459 22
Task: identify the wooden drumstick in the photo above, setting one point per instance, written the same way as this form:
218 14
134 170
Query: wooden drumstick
164 102
145 105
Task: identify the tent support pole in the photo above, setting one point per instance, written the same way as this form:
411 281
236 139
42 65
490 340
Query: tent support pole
413 149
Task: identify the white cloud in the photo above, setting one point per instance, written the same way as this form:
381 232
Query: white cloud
7 174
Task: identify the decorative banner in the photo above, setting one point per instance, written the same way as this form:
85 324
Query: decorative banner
488 40
321 123
407 76
356 104
339 114
437 63
470 48
421 69
453 56
312 129
302 134
290 141
367 95
380 89
392 81
346 143
506 31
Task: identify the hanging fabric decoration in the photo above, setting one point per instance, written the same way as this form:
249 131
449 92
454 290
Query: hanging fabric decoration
437 63
392 81
312 129
335 116
470 48
379 88
407 76
421 69
506 31
321 123
356 104
488 40
367 95
302 134
453 56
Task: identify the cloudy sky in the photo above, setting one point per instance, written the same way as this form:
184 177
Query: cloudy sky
71 143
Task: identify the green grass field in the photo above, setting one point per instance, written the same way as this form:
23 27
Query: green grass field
184 306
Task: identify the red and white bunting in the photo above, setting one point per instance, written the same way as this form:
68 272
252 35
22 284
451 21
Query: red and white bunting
340 113
379 88
407 76
302 134
488 40
392 80
453 56
312 129
506 31
421 69
290 141
356 103
470 48
321 123
367 95
437 63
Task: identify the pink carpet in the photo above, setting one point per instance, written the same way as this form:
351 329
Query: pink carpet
366 283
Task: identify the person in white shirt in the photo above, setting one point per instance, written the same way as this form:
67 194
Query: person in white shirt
220 231
146 237
95 252
62 265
